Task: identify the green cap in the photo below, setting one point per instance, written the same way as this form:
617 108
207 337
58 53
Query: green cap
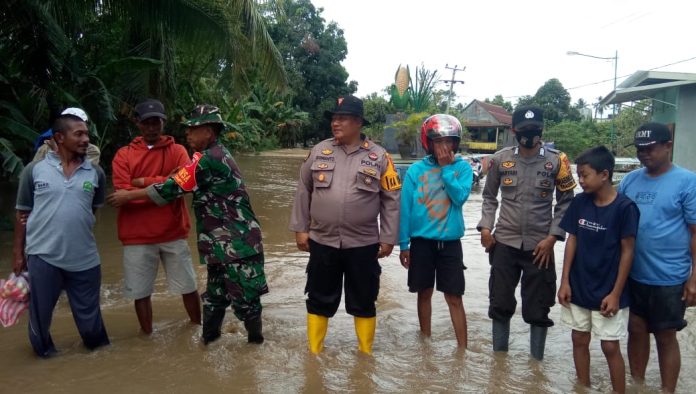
204 114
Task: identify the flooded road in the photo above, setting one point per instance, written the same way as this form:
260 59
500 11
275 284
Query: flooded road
174 360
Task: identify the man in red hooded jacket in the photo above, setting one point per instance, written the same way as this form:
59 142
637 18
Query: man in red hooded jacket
150 233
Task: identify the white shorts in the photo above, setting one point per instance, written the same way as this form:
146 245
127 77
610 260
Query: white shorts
604 328
140 263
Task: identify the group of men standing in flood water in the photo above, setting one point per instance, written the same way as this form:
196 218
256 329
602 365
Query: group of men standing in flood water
338 203
350 210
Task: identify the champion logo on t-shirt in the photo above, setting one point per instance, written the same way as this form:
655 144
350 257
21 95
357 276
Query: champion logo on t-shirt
592 226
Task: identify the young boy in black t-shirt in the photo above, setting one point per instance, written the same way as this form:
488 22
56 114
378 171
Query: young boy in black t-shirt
602 226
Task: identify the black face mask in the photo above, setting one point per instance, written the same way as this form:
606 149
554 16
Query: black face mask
528 138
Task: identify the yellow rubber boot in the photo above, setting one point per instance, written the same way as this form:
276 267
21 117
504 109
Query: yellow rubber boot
316 331
365 330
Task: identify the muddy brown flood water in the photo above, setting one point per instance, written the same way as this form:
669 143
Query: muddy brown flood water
173 359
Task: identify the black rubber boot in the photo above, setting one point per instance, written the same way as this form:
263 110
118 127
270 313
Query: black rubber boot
501 335
254 327
212 324
537 341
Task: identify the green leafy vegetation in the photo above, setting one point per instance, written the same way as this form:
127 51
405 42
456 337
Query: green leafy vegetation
271 66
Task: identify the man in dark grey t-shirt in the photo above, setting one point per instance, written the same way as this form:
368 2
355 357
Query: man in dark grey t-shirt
60 195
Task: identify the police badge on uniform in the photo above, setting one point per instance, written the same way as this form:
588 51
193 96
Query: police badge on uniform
370 171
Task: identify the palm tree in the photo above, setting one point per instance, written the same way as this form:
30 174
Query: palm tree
104 54
598 108
232 29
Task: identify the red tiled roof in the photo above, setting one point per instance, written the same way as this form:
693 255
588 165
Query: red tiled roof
498 112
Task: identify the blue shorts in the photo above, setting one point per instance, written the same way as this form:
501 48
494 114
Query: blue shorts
661 307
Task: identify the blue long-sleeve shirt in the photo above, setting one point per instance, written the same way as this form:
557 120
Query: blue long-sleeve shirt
431 200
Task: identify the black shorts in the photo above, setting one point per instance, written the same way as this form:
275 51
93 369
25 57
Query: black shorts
661 307
330 269
436 259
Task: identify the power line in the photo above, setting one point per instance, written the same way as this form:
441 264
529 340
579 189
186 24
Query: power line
628 75
612 79
671 64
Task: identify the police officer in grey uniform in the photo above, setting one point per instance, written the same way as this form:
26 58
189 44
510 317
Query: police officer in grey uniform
521 242
345 183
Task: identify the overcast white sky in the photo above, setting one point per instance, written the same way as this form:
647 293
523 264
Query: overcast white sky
512 47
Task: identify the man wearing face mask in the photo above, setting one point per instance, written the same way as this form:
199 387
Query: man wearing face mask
520 244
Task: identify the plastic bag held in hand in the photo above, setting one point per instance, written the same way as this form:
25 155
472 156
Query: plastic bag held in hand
14 298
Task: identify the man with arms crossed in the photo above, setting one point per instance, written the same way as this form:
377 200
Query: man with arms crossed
151 233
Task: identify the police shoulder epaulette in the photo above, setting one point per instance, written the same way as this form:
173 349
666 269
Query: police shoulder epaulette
321 144
553 150
377 149
326 141
504 151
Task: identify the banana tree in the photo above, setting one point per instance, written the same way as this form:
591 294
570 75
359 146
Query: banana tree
105 55
11 163
281 120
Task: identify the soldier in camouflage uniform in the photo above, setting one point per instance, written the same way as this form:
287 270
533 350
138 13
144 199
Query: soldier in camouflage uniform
229 235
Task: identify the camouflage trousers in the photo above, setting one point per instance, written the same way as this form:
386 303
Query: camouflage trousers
240 283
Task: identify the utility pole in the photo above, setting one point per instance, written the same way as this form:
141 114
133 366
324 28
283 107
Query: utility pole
615 59
451 83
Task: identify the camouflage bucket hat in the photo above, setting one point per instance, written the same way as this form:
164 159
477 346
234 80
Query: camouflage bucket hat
204 114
